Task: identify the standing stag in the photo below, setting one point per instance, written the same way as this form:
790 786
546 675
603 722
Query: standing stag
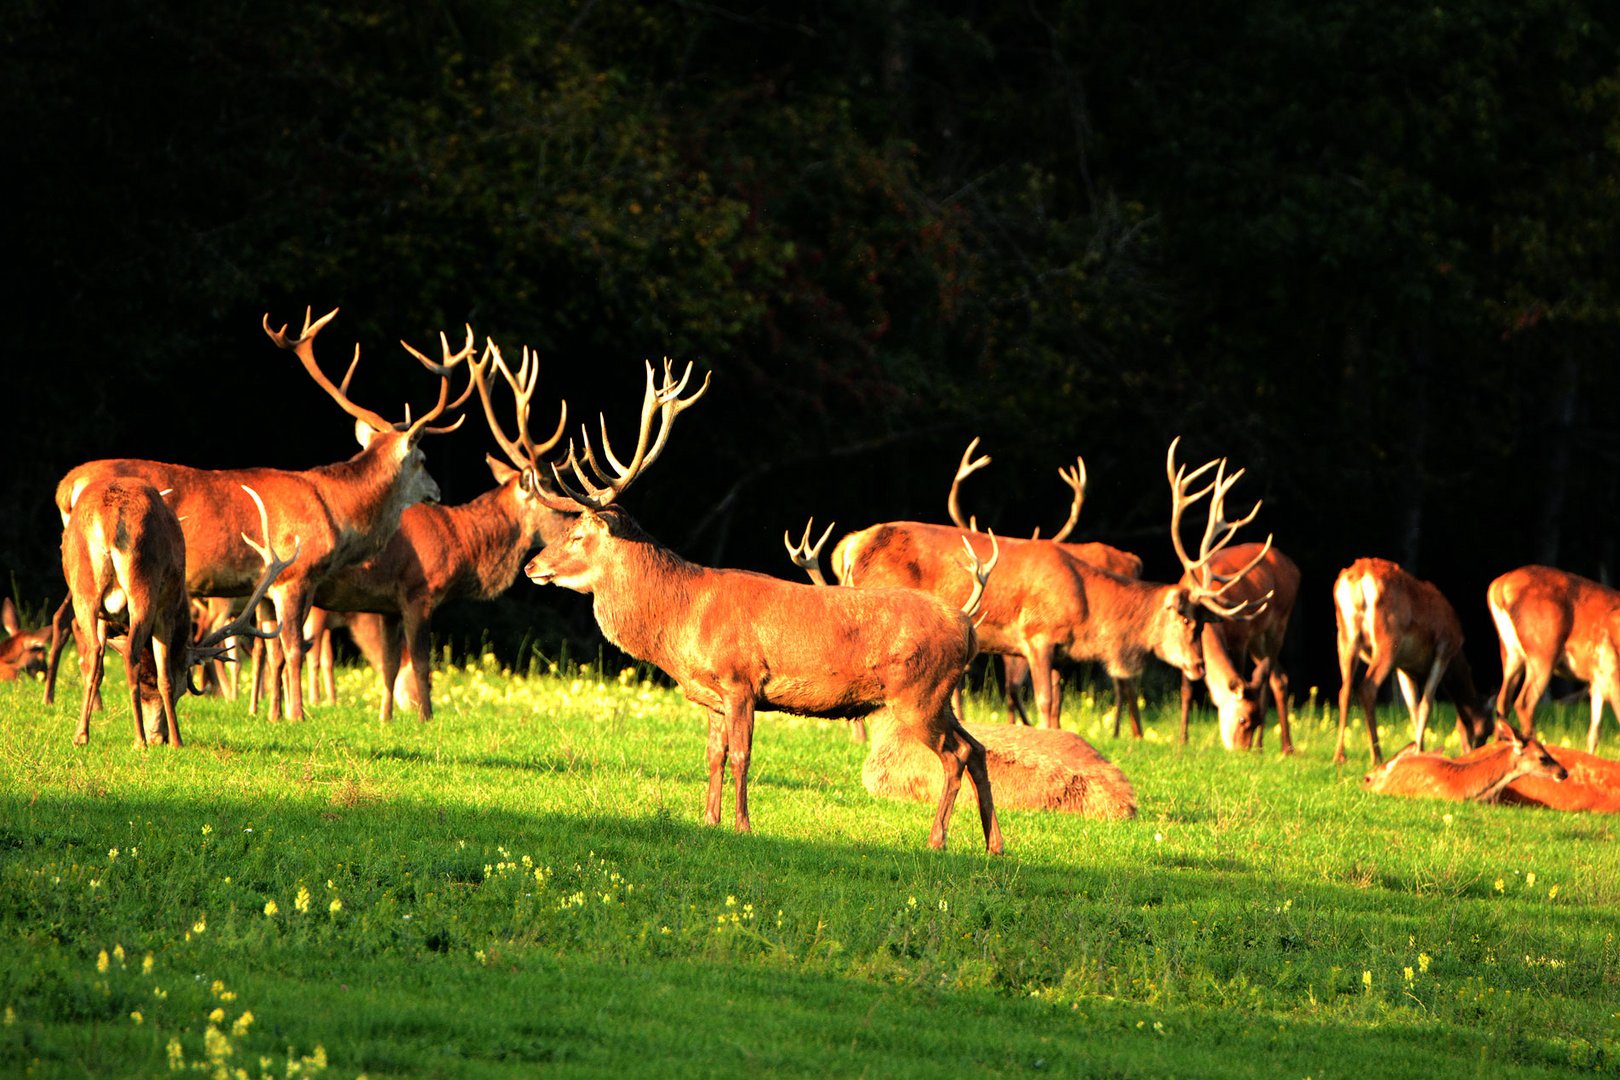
342 513
1045 605
1552 622
472 550
1240 700
737 641
1014 670
1389 620
124 557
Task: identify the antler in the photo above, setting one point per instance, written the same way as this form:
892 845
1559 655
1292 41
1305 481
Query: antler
805 555
1218 533
208 648
666 402
1076 479
443 371
303 347
980 572
963 471
524 455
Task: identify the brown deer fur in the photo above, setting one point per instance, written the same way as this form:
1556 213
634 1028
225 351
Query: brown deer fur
22 652
1240 700
1041 603
1551 622
442 553
737 641
1479 776
1031 768
1389 620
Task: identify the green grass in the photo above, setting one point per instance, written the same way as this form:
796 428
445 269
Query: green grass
525 885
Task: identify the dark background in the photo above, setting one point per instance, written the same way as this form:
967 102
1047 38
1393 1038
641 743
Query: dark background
1365 250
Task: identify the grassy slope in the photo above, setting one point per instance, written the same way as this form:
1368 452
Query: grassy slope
526 882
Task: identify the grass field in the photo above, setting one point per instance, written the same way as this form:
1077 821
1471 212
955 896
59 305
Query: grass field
525 886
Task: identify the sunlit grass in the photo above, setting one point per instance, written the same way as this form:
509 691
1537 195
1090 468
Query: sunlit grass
525 882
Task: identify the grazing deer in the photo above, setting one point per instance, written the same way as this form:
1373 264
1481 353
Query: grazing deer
1240 701
124 557
1479 776
1045 605
472 550
343 512
1552 622
1389 620
737 641
22 652
1014 670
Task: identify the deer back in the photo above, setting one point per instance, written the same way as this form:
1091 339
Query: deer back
1558 618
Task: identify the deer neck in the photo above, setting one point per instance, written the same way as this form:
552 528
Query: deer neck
1483 779
491 542
365 498
642 597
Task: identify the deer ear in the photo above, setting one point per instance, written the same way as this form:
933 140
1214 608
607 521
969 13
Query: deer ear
363 433
499 469
8 616
1505 732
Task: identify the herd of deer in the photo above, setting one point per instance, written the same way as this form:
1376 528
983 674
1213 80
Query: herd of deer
158 556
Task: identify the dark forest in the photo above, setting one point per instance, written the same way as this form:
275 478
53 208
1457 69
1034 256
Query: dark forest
1363 250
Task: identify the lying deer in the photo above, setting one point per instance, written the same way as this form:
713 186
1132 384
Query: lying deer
1045 605
1552 622
1480 776
343 512
1389 620
22 652
124 557
737 641
1239 699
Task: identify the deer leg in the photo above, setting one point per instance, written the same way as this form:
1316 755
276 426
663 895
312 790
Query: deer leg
171 721
1513 666
391 643
1425 702
256 677
966 753
1536 678
1371 680
1125 691
61 625
140 636
292 608
718 733
1056 678
1186 705
857 731
1039 658
92 649
1279 693
1013 674
1347 683
740 744
419 643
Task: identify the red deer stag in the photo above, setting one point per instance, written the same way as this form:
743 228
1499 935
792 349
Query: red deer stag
1480 776
1240 700
22 652
1035 768
1389 620
1014 671
1552 622
1045 605
472 550
737 641
343 512
124 557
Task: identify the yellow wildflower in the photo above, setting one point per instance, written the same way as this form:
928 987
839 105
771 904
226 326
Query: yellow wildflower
101 961
243 1022
118 954
216 1016
1500 885
146 964
1423 961
270 908
1407 971
200 925
301 901
334 907
137 1017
